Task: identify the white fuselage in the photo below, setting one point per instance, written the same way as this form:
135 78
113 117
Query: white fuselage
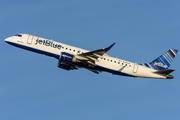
103 63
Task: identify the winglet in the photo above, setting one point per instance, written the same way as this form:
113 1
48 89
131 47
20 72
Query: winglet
108 48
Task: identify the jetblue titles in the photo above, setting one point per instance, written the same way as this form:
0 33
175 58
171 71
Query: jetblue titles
160 64
48 43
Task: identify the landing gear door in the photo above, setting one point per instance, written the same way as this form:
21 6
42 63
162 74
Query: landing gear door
135 68
30 39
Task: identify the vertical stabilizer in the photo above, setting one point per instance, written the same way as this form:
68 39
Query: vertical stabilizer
163 62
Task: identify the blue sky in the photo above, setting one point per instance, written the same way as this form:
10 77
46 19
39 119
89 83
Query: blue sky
32 87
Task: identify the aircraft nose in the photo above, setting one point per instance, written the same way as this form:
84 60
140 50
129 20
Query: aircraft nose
8 39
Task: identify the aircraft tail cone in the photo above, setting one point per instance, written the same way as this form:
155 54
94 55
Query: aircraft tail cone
169 77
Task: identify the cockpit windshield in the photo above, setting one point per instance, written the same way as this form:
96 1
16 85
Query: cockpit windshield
19 35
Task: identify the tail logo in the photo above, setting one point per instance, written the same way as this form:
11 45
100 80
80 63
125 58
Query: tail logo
160 64
163 62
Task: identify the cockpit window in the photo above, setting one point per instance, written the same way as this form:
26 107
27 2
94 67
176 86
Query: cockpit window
19 35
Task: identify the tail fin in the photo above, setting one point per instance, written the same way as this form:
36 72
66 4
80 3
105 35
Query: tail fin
163 62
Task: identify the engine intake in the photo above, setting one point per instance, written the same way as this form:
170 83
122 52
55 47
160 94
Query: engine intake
67 57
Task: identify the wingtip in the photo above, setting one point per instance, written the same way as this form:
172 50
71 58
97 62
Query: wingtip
108 48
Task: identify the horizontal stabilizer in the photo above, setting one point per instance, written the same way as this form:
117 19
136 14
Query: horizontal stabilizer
164 72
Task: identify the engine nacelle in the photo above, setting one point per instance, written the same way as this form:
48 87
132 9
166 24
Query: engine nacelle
66 66
66 57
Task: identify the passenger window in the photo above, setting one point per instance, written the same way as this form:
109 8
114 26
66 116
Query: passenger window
114 61
104 58
74 50
70 49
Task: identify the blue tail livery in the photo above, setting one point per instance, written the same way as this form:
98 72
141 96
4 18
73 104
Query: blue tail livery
163 62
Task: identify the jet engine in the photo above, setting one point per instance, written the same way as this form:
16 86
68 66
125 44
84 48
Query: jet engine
68 58
66 66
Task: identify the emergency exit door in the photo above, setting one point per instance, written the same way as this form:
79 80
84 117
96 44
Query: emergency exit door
135 68
30 39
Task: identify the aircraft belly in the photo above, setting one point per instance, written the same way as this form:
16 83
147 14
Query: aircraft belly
114 69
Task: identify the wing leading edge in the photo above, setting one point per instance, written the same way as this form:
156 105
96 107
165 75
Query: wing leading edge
93 55
89 58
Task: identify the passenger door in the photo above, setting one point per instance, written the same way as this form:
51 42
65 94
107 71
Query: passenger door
30 39
135 68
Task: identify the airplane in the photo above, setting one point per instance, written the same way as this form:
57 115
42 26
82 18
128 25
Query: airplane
72 58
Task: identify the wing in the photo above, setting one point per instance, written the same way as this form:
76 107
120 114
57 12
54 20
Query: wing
89 58
94 71
94 55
